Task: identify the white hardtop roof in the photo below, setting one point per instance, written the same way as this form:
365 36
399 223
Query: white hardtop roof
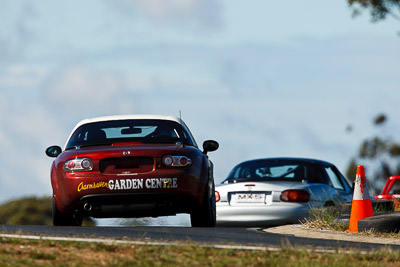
128 117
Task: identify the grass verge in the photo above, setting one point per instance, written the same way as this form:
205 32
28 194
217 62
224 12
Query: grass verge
21 252
326 218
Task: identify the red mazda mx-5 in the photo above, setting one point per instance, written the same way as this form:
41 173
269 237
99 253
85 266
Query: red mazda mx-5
132 166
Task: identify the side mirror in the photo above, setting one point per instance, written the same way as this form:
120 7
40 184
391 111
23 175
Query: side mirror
209 146
53 151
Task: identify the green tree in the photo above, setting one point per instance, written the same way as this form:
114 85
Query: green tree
378 9
380 156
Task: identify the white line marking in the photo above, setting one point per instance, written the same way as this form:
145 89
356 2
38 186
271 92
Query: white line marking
154 243
144 243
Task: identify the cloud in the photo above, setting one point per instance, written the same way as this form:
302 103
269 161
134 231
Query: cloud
80 84
15 35
94 92
181 13
24 133
19 76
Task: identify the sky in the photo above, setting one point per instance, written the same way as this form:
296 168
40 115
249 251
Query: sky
263 78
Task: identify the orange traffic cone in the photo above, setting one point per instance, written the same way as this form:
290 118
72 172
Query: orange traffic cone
361 206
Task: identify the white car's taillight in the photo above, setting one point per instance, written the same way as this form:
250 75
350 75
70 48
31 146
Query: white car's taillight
176 161
78 165
295 195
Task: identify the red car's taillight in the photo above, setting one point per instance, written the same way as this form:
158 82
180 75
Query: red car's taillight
176 161
295 195
217 196
78 164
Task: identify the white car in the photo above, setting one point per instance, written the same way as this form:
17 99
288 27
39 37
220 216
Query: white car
276 191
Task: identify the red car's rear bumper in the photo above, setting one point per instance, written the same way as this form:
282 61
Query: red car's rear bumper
125 196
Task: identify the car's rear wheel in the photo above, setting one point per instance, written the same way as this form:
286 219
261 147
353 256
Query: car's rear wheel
65 219
205 215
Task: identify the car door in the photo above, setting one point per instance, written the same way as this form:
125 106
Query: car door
339 183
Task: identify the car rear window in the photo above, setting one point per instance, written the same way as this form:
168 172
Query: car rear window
121 131
277 170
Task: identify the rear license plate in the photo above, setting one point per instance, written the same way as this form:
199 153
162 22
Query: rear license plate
248 198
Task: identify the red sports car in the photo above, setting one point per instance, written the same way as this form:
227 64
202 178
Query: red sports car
132 166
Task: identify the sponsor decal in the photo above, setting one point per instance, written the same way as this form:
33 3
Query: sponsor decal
150 183
128 184
94 185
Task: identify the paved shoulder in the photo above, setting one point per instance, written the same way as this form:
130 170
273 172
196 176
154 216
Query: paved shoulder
301 231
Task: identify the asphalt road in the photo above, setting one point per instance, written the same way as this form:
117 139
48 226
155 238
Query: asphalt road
207 236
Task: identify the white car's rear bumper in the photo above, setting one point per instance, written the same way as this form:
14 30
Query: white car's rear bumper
261 215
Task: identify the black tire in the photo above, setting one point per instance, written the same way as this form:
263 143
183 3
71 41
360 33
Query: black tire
65 219
206 214
381 223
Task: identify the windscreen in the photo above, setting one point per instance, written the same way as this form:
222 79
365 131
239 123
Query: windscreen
277 170
124 131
